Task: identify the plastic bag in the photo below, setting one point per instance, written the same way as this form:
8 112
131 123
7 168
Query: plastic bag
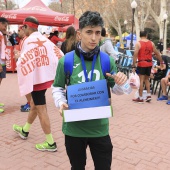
134 81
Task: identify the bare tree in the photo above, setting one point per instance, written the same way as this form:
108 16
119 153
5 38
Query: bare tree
7 5
115 12
118 13
158 17
65 7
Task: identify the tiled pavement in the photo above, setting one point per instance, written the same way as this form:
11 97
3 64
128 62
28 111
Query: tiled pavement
140 134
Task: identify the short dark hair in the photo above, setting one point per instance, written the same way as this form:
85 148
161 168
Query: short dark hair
56 33
90 18
3 20
143 33
32 19
103 33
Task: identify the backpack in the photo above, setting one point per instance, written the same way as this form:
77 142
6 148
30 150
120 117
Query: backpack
69 63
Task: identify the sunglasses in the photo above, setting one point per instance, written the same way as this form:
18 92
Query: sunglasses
25 26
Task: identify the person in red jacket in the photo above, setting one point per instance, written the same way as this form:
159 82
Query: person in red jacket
55 39
143 52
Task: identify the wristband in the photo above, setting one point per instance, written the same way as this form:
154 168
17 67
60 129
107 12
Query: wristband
162 62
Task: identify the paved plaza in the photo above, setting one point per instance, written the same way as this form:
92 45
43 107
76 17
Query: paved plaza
140 134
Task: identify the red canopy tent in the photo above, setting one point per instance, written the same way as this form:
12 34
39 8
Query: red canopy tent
75 25
39 10
44 15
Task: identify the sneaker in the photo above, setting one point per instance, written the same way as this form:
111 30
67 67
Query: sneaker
26 108
162 98
46 147
2 105
148 99
168 102
22 106
19 130
138 100
1 110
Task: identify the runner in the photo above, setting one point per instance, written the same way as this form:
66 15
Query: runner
36 69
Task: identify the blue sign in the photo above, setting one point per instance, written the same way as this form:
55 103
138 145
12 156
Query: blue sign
88 94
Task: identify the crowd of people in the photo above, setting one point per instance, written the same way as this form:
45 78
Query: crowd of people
46 64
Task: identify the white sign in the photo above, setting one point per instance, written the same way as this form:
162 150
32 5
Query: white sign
87 113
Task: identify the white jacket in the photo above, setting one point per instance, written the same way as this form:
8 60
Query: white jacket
107 47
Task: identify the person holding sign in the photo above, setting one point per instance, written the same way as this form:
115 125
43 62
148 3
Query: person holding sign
87 68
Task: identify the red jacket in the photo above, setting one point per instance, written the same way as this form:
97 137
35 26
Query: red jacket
56 39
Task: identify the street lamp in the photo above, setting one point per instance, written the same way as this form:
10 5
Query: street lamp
133 6
165 16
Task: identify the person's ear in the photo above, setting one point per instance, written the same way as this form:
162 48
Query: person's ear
79 34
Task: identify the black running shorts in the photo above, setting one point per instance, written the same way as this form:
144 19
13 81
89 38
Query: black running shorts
144 70
39 97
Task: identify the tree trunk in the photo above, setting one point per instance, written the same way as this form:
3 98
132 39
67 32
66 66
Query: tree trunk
163 25
120 35
159 20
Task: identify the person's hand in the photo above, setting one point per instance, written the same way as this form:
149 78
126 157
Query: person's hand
16 54
119 78
133 70
64 106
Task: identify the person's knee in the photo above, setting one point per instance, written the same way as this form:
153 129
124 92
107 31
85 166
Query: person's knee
41 110
163 80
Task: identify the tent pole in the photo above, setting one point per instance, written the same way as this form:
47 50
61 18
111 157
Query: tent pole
73 8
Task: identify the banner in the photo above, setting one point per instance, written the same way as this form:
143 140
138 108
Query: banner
10 64
89 94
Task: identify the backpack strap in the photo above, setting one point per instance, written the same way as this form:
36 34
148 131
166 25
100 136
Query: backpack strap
68 65
105 63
